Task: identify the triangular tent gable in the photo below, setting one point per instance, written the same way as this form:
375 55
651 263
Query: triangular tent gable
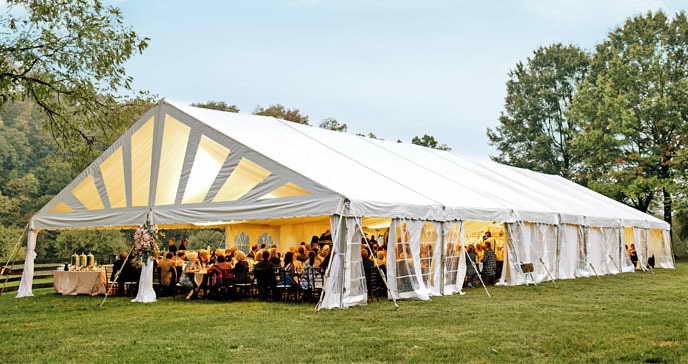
187 172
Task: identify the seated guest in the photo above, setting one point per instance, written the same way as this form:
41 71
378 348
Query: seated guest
471 273
229 254
130 272
240 269
179 258
172 245
326 236
275 257
309 272
265 276
183 245
301 254
289 277
315 242
254 250
168 271
204 258
221 271
323 258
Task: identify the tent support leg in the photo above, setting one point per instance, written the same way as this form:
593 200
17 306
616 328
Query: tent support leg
479 276
372 254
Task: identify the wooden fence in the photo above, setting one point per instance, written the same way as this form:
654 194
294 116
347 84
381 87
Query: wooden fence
42 277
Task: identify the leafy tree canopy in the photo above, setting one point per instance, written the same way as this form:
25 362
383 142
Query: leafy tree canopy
429 141
281 112
535 130
333 124
68 57
217 105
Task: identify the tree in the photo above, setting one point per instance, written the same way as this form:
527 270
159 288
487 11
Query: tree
333 124
634 105
217 105
535 130
281 112
429 141
68 57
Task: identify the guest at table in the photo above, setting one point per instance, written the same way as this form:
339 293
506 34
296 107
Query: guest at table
381 260
172 245
168 272
265 276
183 245
471 273
368 264
324 257
221 270
275 257
240 269
289 277
254 252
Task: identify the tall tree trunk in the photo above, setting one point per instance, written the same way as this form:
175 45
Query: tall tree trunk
667 206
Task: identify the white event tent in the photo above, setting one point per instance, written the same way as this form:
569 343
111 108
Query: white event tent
190 167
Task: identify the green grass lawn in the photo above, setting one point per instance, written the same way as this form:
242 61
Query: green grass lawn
631 318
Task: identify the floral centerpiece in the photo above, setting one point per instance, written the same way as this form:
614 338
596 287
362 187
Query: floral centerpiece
146 242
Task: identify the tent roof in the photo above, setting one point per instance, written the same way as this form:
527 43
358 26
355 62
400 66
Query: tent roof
328 172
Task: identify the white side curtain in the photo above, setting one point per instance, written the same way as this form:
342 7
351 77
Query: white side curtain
332 288
26 283
146 293
345 279
454 258
568 251
640 236
668 261
403 260
547 243
616 250
657 246
514 257
583 256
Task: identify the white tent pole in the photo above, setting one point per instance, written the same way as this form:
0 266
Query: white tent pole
382 274
479 276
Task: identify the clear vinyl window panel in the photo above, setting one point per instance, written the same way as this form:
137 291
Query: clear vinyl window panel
174 141
245 176
209 159
141 163
286 190
405 266
112 170
428 240
87 193
242 242
60 207
452 254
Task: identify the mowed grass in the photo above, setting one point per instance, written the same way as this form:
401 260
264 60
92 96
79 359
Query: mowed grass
629 318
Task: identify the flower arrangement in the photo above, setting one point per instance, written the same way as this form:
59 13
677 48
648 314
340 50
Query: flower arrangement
146 238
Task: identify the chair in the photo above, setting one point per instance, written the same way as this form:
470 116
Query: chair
375 285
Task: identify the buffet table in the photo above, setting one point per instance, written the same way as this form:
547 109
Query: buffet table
74 283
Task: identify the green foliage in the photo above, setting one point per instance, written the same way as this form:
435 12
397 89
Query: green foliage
98 242
68 57
633 106
333 124
217 105
535 130
8 241
430 142
281 112
201 239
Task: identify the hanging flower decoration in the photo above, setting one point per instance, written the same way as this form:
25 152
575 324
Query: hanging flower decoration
146 242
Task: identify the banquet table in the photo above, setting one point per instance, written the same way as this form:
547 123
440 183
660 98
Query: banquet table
74 283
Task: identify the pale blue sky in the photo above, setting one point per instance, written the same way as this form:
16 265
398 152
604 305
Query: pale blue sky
396 68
